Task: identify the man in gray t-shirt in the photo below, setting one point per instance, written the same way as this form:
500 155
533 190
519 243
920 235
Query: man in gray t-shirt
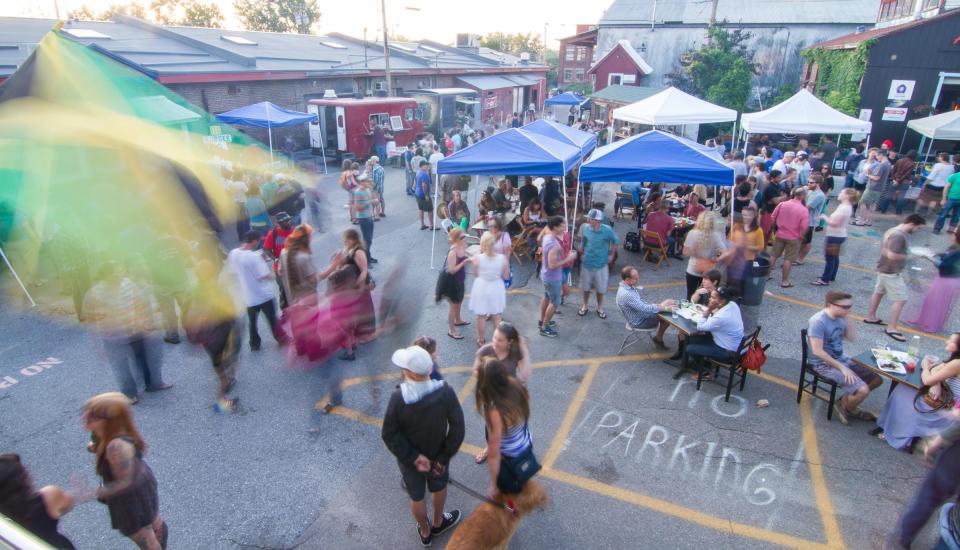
893 258
826 331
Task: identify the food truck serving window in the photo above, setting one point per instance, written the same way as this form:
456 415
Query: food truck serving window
380 119
408 114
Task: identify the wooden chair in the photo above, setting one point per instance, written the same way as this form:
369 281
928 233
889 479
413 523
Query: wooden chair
633 333
810 380
520 245
646 237
735 372
625 201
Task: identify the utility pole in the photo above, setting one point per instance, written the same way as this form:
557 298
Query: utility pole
364 47
386 49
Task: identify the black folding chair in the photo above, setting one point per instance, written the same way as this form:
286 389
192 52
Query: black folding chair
735 372
809 379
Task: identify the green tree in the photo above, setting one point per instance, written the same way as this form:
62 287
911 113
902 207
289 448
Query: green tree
839 74
513 43
721 71
198 14
278 15
552 61
131 8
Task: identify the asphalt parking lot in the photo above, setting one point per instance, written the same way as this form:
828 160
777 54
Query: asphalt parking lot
632 457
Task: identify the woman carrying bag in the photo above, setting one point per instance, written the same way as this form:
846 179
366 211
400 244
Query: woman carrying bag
505 405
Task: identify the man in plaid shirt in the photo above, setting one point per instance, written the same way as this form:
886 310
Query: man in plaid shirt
638 312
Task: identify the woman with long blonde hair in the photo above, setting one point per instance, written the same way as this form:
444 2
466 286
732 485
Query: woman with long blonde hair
488 296
129 488
705 247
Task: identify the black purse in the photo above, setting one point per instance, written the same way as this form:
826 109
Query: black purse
516 471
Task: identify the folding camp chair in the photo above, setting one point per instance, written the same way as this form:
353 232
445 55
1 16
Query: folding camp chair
647 237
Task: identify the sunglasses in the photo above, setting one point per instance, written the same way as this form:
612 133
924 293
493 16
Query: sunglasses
843 306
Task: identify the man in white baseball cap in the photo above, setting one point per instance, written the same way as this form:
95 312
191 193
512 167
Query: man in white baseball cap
597 245
423 427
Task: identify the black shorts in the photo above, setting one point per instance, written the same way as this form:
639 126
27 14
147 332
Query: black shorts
414 481
425 204
808 236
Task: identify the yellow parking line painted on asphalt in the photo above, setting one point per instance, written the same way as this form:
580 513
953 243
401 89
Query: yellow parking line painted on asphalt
844 266
820 492
468 388
681 512
811 305
776 380
560 438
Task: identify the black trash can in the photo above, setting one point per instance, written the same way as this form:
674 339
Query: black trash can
755 281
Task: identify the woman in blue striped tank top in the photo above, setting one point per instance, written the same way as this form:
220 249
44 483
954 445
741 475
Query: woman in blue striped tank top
505 405
906 416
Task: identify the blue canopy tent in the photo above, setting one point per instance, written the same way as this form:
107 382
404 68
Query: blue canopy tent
657 156
269 116
566 98
513 152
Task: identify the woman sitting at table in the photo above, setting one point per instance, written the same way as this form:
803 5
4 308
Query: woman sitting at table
723 328
533 220
694 208
487 204
502 243
906 415
458 211
701 296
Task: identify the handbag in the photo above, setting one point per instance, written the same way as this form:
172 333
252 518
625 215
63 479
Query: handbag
943 401
516 471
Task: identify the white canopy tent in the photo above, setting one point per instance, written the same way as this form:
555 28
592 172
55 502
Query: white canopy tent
803 113
673 107
945 126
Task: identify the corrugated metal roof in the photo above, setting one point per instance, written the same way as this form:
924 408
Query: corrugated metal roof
626 94
697 12
852 40
487 82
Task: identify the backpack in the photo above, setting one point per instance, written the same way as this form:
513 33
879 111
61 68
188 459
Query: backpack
755 357
631 241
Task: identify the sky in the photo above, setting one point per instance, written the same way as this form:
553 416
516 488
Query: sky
439 20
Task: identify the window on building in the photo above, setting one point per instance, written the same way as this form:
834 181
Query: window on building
614 79
930 4
894 9
568 53
579 75
568 75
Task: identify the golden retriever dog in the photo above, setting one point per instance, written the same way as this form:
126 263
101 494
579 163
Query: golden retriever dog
490 527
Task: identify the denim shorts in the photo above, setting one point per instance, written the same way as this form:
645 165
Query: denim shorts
553 290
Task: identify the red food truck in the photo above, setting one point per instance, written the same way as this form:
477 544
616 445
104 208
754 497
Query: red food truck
345 125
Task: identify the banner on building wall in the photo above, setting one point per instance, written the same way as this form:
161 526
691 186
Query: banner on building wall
490 102
894 114
865 114
901 90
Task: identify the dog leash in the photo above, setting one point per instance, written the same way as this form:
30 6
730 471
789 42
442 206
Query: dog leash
508 506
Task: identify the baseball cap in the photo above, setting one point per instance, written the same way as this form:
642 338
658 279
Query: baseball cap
789 154
802 154
283 217
595 214
414 359
887 143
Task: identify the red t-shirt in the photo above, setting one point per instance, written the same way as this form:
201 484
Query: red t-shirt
274 242
661 223
693 211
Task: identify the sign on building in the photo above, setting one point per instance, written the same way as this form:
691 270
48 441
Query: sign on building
895 114
901 90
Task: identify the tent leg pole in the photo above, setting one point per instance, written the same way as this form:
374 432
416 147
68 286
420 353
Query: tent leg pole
270 138
433 219
563 189
323 154
17 277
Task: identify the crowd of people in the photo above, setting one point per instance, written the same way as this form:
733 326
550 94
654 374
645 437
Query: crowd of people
319 314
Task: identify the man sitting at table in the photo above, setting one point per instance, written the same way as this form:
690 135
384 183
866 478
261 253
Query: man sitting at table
500 197
661 223
826 332
681 190
723 326
637 311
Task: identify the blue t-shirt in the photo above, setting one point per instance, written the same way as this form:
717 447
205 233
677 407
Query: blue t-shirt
596 245
829 330
423 182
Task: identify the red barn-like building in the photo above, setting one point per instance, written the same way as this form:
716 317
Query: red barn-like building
621 65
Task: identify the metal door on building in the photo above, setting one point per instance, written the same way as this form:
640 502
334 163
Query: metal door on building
341 130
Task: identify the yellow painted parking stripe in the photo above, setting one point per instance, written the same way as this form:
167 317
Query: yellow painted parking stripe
819 480
683 512
560 438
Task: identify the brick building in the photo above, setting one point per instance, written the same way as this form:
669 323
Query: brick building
219 70
576 56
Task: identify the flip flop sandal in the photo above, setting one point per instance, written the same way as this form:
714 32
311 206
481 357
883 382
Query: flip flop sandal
818 282
786 286
899 337
602 314
461 324
455 336
866 416
798 263
582 312
877 322
481 457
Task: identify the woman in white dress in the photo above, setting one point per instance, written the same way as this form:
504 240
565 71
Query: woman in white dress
488 296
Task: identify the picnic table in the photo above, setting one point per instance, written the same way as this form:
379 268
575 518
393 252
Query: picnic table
684 319
508 217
